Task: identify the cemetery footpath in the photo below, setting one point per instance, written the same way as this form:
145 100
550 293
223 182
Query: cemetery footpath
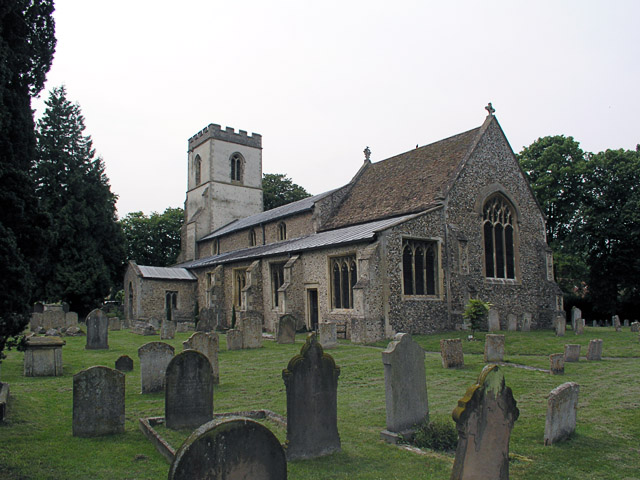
599 398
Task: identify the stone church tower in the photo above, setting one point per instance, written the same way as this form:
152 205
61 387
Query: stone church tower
224 183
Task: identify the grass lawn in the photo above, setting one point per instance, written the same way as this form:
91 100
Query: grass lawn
36 440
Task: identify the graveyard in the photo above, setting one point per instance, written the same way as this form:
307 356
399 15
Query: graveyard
37 441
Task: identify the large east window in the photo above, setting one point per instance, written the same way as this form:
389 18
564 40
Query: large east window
344 275
498 227
419 267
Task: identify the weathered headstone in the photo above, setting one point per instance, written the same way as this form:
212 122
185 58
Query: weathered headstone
154 358
206 320
405 387
4 399
251 327
70 319
208 344
512 322
561 325
188 391
562 408
572 353
526 322
43 357
635 327
493 348
493 320
615 321
182 327
115 323
155 323
97 330
451 351
595 350
287 329
579 326
236 448
484 418
328 335
124 363
625 323
556 361
594 323
576 314
167 330
98 402
234 339
311 380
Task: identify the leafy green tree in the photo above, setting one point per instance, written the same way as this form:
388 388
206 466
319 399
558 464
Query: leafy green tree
278 190
27 43
86 254
155 239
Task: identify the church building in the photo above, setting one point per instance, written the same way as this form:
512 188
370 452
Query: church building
400 248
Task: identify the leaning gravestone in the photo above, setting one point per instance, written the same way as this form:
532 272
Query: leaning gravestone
512 322
208 344
168 330
576 314
97 330
595 350
562 409
556 364
154 358
405 387
234 339
124 363
328 335
561 325
188 391
493 320
311 380
493 348
451 352
236 448
572 353
287 329
615 321
526 322
484 418
98 402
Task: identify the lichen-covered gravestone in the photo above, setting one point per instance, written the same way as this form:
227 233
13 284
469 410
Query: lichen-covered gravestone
556 364
98 402
572 353
405 387
484 418
561 325
493 320
188 391
493 348
594 351
208 344
154 358
526 322
287 330
562 408
115 323
124 363
512 322
251 327
97 330
311 380
234 339
328 335
167 330
236 448
635 327
451 351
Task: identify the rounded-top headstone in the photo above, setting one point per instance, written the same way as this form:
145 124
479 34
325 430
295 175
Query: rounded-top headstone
124 363
97 330
237 448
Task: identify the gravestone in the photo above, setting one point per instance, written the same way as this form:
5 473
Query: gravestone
155 323
124 363
328 335
251 326
572 353
43 357
38 307
484 418
493 348
556 361
115 323
98 402
594 351
594 323
97 330
635 327
615 321
182 327
208 344
188 391
311 381
579 326
4 399
206 320
562 409
561 325
451 351
526 322
236 448
154 358
234 339
168 330
512 322
576 314
70 319
287 329
405 387
625 323
493 320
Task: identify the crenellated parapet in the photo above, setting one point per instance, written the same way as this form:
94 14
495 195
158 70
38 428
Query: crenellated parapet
215 132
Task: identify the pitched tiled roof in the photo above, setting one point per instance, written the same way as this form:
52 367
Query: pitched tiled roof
407 183
166 273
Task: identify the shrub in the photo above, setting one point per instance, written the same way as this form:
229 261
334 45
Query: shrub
475 311
437 435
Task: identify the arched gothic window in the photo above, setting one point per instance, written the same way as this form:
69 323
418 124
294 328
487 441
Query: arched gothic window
252 238
419 267
237 166
282 231
197 168
344 275
498 227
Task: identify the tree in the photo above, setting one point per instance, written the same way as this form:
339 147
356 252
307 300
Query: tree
280 190
86 255
153 240
27 43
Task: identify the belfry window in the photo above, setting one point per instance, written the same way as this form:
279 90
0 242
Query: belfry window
498 228
197 168
237 166
419 267
344 275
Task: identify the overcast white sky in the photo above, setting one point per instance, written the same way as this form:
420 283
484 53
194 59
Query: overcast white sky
322 80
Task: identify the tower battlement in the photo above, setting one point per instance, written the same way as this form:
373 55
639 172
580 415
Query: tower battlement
215 131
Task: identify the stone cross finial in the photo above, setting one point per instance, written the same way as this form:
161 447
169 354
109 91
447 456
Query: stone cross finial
489 108
367 154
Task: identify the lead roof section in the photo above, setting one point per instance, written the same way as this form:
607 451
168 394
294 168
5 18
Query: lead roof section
166 273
